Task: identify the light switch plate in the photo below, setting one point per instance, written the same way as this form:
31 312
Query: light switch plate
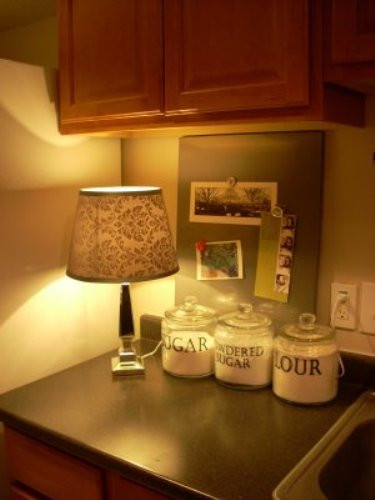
367 313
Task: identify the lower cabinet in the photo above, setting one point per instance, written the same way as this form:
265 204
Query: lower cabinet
37 471
119 488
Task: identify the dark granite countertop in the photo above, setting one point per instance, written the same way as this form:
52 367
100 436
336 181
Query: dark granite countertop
184 437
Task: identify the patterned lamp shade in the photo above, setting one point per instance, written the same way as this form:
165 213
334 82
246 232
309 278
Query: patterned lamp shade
121 234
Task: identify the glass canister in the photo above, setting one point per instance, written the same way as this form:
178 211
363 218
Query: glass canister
188 343
306 362
243 349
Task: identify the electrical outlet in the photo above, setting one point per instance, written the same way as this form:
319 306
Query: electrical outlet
343 306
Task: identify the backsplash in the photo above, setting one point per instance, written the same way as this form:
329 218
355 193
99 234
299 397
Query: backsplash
289 166
347 243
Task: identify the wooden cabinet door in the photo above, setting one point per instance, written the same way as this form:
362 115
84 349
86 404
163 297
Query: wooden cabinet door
48 472
19 492
349 55
352 31
110 59
236 54
119 488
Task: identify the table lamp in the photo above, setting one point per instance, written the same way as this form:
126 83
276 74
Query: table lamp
122 235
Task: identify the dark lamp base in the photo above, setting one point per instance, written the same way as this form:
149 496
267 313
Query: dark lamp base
127 362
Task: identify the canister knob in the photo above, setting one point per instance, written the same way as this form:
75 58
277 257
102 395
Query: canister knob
307 321
190 303
245 308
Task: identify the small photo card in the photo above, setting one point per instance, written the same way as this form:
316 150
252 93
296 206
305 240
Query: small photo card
282 283
223 203
220 260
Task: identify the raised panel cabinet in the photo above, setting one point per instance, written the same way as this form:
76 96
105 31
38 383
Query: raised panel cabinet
110 60
119 488
19 492
37 469
236 55
132 64
350 43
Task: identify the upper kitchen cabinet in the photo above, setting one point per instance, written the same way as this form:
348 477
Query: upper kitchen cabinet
110 61
153 63
350 43
237 55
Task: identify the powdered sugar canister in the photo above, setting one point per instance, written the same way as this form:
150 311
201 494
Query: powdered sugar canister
243 349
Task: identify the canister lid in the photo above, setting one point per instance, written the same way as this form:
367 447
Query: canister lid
307 330
245 320
190 312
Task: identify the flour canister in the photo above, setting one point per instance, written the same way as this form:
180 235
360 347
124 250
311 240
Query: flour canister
306 362
188 343
243 349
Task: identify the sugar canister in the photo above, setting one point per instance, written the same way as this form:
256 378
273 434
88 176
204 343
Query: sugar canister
306 362
243 349
188 343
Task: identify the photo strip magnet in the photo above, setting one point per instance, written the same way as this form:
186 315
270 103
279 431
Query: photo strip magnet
275 257
285 257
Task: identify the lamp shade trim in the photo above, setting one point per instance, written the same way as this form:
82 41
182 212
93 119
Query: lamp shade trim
124 280
120 191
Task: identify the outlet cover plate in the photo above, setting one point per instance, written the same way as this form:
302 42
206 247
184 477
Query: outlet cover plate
346 314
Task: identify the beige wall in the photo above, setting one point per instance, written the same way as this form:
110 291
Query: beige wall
348 235
34 44
348 230
47 321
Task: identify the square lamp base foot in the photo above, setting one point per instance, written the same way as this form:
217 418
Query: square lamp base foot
134 367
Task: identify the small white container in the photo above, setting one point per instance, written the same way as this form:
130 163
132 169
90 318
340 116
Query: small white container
188 344
306 362
243 349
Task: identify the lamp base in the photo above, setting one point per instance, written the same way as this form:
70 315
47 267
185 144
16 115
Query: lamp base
127 362
134 367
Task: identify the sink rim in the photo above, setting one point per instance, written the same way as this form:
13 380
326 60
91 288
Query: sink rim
305 475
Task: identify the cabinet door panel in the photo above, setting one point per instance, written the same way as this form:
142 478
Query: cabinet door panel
110 58
352 31
235 54
18 492
119 488
48 471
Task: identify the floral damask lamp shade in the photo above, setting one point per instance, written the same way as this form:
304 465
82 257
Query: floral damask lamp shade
122 235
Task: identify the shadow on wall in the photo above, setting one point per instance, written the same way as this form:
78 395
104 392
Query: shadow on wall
34 154
28 95
41 172
47 321
36 227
